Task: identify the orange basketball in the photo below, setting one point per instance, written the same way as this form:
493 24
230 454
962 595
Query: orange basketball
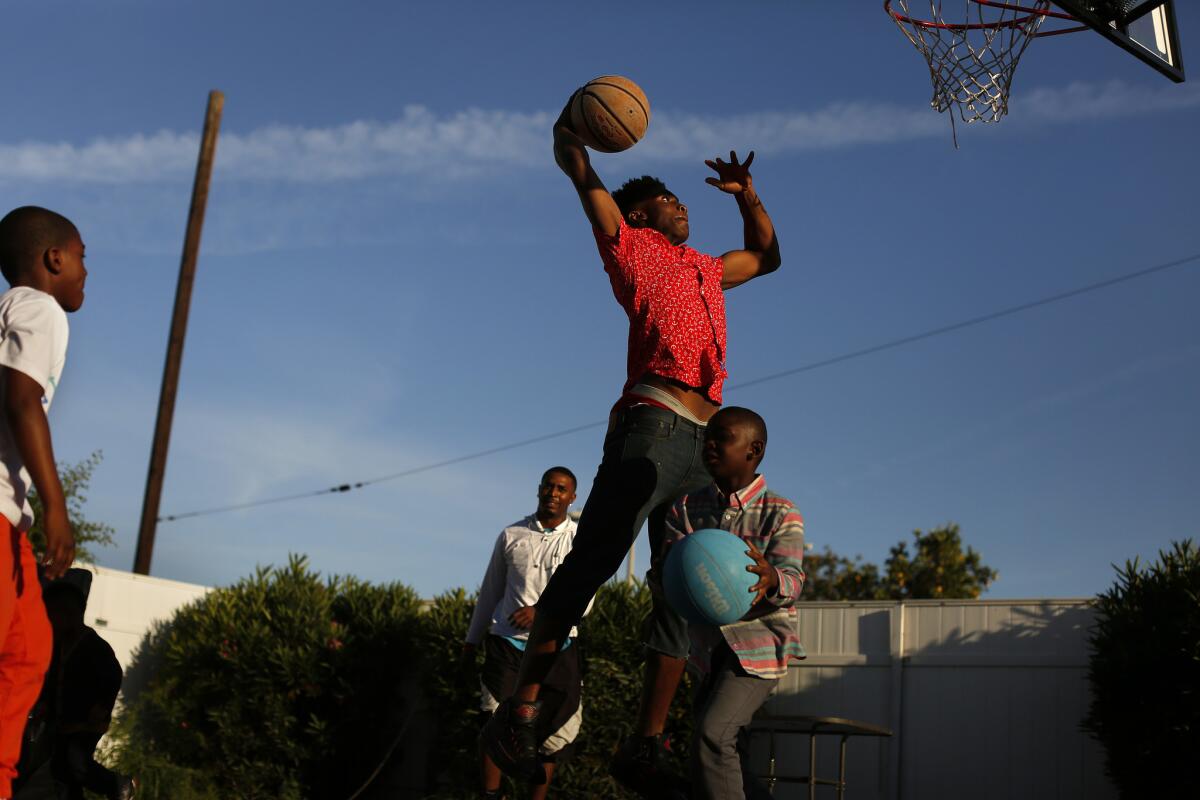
610 114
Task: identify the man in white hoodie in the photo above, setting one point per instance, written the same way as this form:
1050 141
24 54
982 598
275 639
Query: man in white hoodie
525 556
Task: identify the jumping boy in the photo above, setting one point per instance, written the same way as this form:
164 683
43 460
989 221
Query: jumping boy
741 663
673 297
41 256
526 554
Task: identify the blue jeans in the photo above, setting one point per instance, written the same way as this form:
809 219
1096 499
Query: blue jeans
652 457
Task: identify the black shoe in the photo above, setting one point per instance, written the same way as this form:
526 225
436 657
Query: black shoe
127 787
510 741
642 765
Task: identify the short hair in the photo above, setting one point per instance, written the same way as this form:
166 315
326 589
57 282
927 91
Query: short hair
561 471
26 233
635 190
744 416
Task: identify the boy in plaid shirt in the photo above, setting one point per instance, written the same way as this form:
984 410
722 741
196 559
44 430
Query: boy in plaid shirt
740 663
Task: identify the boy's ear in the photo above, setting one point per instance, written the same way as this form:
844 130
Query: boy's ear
52 259
637 216
757 448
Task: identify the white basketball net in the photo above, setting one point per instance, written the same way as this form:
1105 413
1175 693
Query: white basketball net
972 58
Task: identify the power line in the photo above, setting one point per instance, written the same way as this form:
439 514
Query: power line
346 487
866 351
957 326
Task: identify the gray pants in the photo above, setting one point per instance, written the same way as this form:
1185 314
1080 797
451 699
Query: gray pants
725 702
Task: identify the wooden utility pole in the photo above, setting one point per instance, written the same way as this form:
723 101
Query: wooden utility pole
183 299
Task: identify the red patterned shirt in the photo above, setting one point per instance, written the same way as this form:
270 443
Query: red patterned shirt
672 295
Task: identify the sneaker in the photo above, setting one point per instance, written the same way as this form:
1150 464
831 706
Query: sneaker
642 765
510 740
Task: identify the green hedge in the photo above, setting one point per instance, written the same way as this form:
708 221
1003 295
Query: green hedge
1145 675
287 685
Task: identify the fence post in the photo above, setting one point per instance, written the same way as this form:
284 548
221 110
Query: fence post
896 715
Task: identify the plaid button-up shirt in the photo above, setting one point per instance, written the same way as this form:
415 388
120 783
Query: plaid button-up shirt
765 644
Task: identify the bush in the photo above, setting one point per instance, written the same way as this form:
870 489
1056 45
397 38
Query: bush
281 686
612 655
75 479
453 705
289 686
611 637
1145 675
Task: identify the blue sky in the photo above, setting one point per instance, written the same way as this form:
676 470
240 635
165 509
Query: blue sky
393 273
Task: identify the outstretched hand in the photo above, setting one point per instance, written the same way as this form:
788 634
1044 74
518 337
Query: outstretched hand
732 177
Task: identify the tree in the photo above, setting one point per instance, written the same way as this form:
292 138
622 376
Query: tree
832 577
936 569
75 480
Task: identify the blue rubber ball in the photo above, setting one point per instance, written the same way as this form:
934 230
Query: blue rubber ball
705 578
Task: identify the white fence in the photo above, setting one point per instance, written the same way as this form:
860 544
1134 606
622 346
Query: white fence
985 699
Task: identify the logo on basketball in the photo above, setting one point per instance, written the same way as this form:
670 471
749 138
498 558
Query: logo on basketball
705 578
715 601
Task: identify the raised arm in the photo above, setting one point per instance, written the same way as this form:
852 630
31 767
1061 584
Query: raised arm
571 156
760 253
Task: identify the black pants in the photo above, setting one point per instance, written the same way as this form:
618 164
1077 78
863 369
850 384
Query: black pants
652 457
75 769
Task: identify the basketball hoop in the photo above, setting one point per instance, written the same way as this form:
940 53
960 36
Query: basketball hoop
972 62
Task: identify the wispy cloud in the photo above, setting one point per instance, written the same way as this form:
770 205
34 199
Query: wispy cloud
475 141
1084 101
420 141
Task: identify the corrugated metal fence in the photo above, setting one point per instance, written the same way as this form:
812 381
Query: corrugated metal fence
985 699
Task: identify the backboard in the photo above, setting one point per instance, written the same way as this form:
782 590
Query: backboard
1145 28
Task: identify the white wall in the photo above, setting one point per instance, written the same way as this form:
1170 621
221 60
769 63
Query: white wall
985 699
123 607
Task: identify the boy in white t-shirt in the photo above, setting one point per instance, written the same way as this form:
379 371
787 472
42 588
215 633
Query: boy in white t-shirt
41 256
